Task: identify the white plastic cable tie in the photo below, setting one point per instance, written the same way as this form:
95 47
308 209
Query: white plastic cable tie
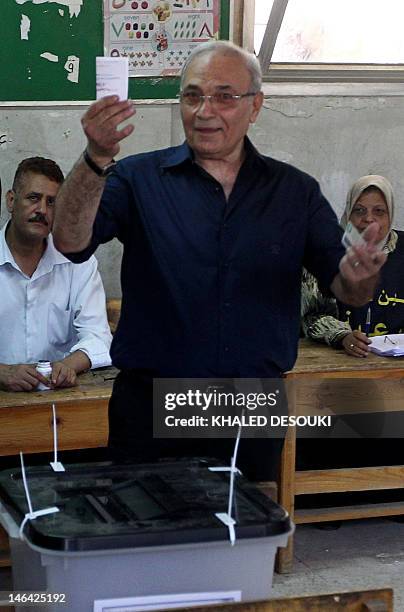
229 522
24 480
227 518
223 468
56 465
31 514
233 469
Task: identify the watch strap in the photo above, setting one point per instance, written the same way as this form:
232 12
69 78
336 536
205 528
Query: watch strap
103 172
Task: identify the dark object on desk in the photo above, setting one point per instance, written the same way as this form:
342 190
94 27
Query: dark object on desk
328 526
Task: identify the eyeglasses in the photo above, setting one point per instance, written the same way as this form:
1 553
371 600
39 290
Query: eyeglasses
361 211
218 100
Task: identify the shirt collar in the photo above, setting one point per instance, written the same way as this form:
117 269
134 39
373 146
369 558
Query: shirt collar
252 155
183 153
5 253
50 257
177 155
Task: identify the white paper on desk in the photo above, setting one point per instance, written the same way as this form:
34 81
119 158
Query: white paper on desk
112 74
391 345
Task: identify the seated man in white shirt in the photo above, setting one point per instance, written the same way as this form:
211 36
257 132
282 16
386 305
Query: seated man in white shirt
50 309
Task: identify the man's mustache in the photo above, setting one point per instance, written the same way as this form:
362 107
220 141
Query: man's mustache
38 218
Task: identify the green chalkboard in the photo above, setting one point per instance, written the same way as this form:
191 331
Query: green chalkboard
25 75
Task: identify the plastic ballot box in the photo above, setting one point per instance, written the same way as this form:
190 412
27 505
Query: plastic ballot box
126 536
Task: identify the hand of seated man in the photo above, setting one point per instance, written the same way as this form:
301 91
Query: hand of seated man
19 377
63 375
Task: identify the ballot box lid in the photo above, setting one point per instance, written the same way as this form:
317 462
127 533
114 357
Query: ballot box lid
108 506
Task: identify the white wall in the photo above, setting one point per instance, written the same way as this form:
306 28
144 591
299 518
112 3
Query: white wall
334 138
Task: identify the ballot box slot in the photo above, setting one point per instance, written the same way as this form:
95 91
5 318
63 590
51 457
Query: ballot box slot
99 508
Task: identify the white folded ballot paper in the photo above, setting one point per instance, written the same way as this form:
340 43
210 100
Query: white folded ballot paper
112 74
391 345
352 237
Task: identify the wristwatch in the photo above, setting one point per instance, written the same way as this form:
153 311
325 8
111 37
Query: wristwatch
103 172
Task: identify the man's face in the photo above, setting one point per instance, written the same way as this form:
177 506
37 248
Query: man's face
211 131
32 205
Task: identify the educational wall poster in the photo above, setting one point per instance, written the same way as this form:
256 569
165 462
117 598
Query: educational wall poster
157 36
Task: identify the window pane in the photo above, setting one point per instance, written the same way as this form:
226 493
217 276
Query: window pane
262 10
340 31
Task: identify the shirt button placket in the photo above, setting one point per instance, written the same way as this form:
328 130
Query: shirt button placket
225 295
28 323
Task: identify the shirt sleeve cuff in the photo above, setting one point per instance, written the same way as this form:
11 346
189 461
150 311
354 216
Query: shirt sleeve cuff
98 358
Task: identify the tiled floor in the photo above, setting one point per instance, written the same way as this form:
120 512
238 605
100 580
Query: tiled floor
365 554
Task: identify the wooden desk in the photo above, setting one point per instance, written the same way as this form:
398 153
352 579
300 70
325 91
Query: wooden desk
378 600
318 371
82 416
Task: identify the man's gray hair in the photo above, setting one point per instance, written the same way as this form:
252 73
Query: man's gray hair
226 47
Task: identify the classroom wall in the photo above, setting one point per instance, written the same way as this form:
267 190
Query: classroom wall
334 138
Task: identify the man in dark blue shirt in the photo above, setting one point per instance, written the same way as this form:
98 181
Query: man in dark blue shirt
215 236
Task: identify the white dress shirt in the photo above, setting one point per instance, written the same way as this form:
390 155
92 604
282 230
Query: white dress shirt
58 310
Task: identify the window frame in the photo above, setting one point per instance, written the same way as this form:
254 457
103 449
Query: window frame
304 72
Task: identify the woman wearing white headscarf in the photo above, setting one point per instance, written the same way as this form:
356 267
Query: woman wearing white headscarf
323 319
326 320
